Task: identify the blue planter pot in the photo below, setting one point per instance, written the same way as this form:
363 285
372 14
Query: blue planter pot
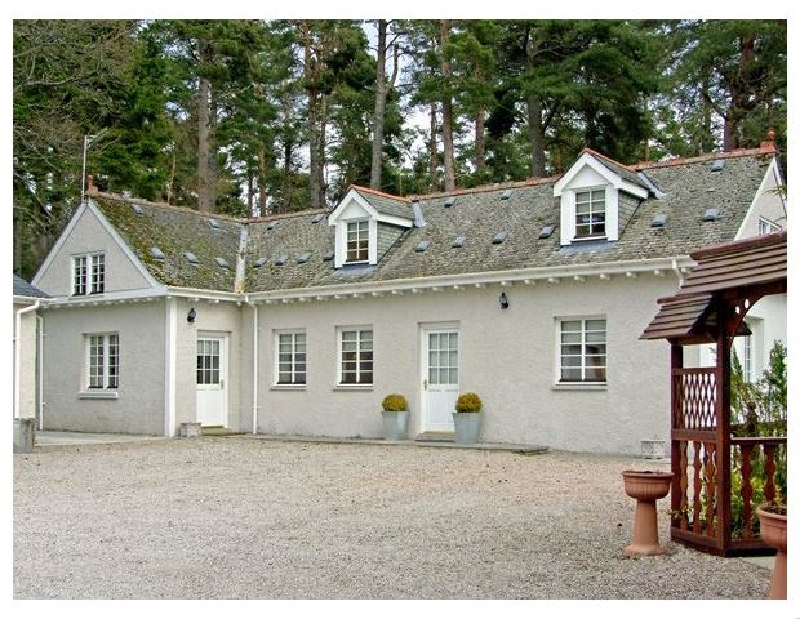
467 426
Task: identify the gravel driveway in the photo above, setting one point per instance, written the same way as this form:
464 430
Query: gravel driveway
243 518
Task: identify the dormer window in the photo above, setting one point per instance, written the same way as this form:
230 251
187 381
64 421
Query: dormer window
598 197
590 213
366 224
357 241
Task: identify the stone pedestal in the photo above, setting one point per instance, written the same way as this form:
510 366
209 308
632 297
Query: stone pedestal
24 435
653 449
191 430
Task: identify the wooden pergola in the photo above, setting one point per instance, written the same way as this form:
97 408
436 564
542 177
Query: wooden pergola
710 307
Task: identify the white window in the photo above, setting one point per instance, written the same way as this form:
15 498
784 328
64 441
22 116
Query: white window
290 359
355 355
582 350
590 213
357 241
747 368
89 274
765 226
102 361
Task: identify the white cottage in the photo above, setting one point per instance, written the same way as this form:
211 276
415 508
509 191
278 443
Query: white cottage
531 294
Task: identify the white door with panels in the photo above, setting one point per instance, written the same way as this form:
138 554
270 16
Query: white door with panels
440 358
211 377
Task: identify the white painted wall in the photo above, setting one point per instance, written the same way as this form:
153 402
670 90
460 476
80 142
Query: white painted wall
507 356
89 235
767 204
140 407
25 342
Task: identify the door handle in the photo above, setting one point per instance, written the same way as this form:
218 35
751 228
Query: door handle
222 383
425 384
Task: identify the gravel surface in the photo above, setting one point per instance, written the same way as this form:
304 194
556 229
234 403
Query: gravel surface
243 518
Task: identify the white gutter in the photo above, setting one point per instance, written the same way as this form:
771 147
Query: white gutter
170 358
17 353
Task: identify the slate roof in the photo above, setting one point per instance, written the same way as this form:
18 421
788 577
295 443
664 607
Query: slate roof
176 231
477 214
24 289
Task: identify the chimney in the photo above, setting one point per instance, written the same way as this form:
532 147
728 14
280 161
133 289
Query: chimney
769 145
90 182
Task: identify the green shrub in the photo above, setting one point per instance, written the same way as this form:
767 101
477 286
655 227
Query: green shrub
469 403
395 402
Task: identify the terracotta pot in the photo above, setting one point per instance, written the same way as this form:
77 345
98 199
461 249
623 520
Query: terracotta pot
646 487
773 532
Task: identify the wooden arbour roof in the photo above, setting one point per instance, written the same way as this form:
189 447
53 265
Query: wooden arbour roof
741 271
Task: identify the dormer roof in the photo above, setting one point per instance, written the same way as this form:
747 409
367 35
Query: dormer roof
620 176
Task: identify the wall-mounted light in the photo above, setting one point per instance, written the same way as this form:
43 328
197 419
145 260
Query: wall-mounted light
503 301
191 315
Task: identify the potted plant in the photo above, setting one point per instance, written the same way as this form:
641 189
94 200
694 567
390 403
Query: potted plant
395 417
467 418
772 519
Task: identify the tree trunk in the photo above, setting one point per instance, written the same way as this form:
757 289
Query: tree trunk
535 128
321 141
203 147
263 166
480 139
433 165
447 110
380 109
286 206
251 190
536 136
313 129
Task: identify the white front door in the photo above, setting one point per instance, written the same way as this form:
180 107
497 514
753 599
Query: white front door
439 379
212 399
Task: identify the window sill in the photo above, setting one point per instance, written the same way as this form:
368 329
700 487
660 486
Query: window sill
580 387
287 388
102 394
353 388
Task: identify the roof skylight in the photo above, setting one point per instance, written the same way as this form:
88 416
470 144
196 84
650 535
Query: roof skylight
328 255
450 202
718 165
318 218
213 223
271 225
422 246
303 258
711 214
546 231
506 194
459 241
221 262
281 260
499 237
137 209
659 221
157 253
260 262
191 258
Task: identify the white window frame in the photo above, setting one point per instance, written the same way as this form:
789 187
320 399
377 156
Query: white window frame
294 362
360 350
591 191
88 274
360 237
101 371
765 226
584 367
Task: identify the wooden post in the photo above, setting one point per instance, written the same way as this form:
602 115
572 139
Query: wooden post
676 363
725 319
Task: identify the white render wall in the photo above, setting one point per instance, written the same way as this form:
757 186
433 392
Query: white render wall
25 342
140 407
507 356
220 319
89 235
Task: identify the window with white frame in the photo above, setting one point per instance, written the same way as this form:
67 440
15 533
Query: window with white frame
89 274
357 241
290 360
765 226
582 350
590 213
102 361
355 355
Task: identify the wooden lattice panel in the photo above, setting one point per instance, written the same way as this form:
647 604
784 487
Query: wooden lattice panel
695 399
